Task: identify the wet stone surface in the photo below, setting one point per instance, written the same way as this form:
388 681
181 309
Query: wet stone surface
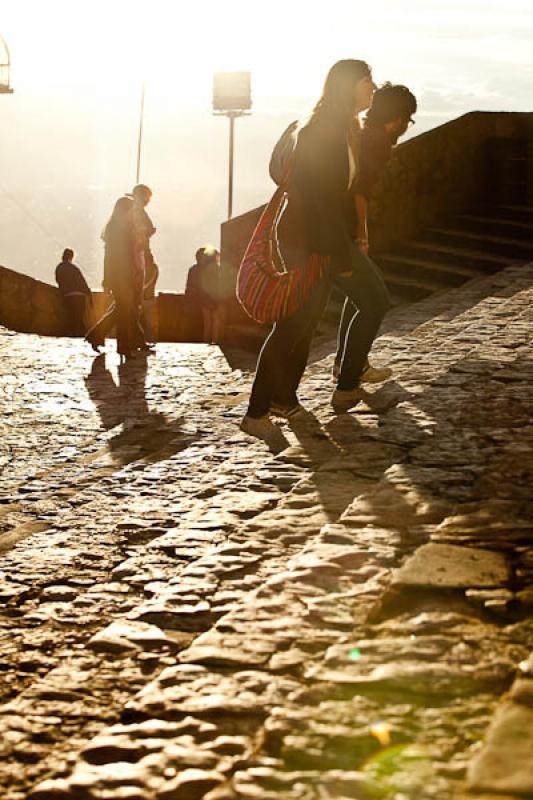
186 615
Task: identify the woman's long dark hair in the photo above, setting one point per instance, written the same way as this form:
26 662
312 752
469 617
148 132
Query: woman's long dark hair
337 102
119 218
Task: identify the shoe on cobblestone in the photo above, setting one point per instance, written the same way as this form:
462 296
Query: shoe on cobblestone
370 374
342 400
263 428
288 412
375 374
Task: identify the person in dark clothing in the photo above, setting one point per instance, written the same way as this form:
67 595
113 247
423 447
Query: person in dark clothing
205 291
76 294
386 121
124 275
321 200
148 272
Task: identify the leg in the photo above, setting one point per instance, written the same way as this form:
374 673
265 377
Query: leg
297 357
366 289
75 308
124 311
137 331
97 334
283 357
147 319
206 324
348 312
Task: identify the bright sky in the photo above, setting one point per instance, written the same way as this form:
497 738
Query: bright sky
78 66
103 47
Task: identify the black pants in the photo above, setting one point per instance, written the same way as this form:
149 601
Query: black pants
284 355
130 334
76 308
123 314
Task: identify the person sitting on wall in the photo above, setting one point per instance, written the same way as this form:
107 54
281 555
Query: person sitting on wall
205 291
76 294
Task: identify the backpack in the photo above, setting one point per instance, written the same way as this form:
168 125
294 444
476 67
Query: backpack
281 158
265 289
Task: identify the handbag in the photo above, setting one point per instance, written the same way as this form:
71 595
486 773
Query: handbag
265 289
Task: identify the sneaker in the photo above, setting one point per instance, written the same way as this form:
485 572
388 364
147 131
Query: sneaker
263 428
375 374
287 412
344 400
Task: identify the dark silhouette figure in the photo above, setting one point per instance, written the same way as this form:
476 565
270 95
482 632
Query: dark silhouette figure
77 297
124 275
321 207
142 229
206 291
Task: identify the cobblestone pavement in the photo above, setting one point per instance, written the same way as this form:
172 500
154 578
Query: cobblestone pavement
185 615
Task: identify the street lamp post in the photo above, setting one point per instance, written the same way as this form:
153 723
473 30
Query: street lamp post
5 67
232 98
140 137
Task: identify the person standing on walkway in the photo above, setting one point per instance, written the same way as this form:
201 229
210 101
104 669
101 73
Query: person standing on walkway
321 203
124 275
205 291
139 198
77 296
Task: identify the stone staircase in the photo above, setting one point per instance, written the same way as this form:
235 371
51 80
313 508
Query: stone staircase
470 245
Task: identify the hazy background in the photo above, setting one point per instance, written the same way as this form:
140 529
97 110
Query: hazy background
68 134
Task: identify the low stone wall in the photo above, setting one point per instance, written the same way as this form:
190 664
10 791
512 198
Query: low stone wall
31 306
431 177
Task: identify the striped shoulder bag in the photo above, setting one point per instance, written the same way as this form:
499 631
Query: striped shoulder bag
265 289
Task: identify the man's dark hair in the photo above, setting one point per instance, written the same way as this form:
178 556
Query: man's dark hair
68 254
389 103
204 254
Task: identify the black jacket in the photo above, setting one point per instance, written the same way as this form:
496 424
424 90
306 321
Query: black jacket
70 279
319 186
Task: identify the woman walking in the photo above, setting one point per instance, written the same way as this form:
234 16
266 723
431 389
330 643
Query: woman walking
124 275
321 218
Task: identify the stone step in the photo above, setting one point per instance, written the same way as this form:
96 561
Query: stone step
481 260
517 229
446 274
411 288
524 213
504 245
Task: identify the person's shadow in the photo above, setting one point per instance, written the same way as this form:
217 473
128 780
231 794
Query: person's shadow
142 434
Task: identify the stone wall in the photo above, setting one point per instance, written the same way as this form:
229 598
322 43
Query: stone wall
447 170
433 176
31 306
